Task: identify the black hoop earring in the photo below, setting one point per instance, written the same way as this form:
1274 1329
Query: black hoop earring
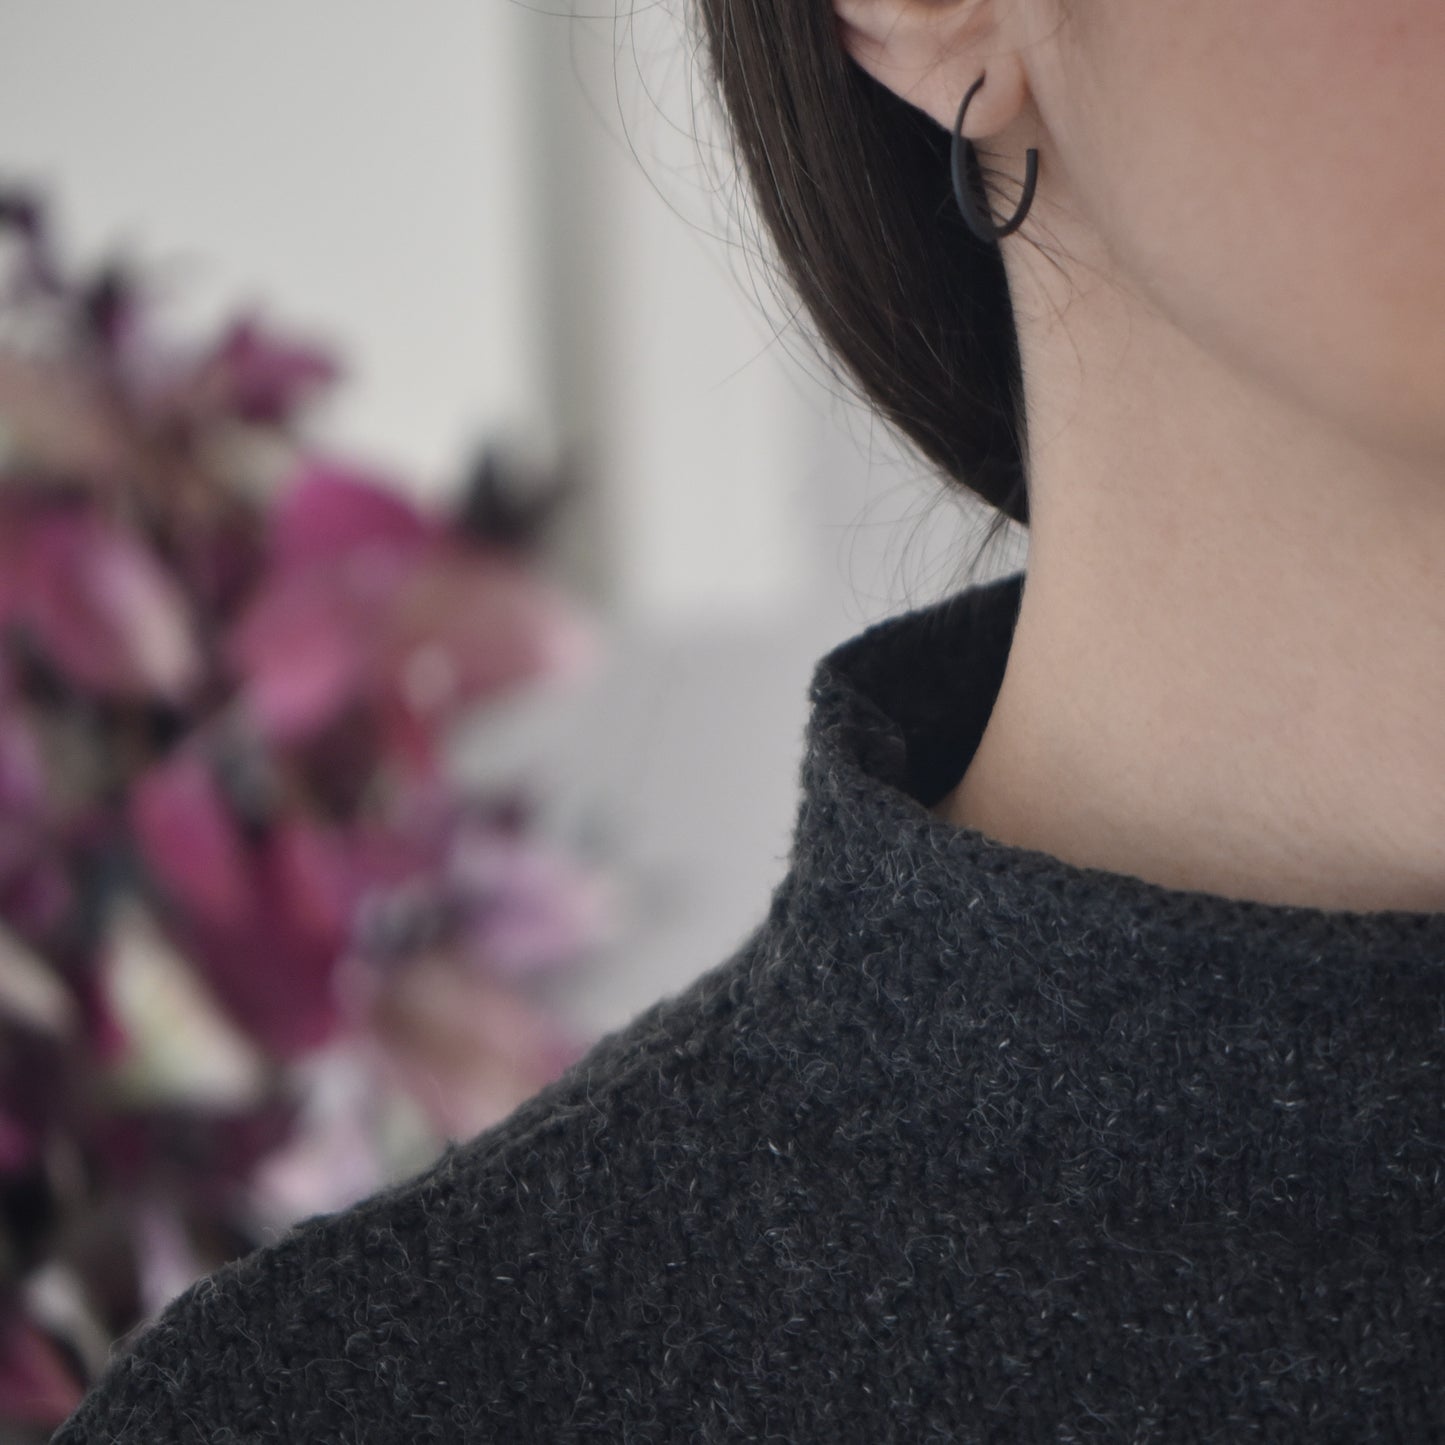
979 221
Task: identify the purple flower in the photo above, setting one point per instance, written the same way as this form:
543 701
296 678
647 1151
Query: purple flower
465 1047
370 602
58 419
102 607
228 848
37 1386
35 889
524 907
265 379
265 918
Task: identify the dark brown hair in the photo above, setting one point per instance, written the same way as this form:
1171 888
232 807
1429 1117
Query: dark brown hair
854 187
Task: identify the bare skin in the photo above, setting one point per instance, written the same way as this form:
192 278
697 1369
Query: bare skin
1229 668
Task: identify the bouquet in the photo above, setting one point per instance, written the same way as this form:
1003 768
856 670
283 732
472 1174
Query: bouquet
260 953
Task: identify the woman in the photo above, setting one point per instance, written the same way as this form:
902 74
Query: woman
1229 300
1083 1081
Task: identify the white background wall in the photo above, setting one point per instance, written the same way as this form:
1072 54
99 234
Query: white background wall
516 222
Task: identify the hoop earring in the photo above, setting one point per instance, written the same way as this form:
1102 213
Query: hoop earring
979 221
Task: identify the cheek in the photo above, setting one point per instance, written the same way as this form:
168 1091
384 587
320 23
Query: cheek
1272 176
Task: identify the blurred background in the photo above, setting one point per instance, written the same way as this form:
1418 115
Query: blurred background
517 224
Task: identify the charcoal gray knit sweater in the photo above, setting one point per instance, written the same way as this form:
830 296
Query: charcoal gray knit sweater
962 1143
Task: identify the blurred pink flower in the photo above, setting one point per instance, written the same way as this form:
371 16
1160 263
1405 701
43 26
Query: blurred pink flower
331 509
190 839
37 1386
456 905
38 1036
166 1261
247 374
265 918
60 417
35 888
263 378
462 870
228 667
18 1144
370 600
22 763
334 1155
524 906
465 1047
100 604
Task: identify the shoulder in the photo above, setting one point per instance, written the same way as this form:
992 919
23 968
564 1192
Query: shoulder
473 1295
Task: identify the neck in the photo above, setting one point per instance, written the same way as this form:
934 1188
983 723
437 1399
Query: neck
1228 671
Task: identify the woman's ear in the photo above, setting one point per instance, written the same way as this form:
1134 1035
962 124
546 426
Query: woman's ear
928 52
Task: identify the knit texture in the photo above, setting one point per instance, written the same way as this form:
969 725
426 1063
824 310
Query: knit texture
962 1143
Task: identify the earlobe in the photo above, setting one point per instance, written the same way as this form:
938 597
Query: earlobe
1000 98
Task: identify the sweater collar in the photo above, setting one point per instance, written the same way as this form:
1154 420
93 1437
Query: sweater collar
896 713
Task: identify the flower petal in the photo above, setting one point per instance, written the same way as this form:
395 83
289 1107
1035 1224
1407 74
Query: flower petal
301 650
264 378
332 1158
166 1261
494 620
188 837
527 908
105 609
466 1048
19 1146
31 990
331 507
59 422
180 1045
36 1384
